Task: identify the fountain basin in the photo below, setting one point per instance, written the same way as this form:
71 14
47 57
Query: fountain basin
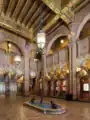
45 108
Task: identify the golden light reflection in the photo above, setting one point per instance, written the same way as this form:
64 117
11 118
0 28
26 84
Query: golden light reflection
86 64
51 71
83 73
59 45
78 69
51 52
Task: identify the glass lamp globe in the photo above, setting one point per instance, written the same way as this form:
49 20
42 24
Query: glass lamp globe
32 74
17 58
41 39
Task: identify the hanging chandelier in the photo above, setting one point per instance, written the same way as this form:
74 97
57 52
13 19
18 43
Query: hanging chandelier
41 39
17 58
8 49
41 36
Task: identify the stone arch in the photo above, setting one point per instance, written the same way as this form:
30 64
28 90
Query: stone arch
84 21
17 40
53 40
15 44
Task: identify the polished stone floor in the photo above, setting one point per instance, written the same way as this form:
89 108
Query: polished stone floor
13 109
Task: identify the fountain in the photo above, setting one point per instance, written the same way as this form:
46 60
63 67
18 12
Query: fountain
45 107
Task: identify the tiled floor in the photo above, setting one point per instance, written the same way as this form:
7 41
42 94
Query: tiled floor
13 109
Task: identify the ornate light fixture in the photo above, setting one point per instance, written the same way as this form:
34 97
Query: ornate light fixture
78 69
35 60
32 74
9 45
8 49
62 41
41 39
41 36
17 58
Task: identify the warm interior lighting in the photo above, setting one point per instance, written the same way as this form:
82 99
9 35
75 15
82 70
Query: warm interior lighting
73 33
35 60
17 58
62 41
32 74
67 71
78 69
41 39
9 45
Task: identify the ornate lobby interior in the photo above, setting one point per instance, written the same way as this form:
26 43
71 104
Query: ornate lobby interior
44 59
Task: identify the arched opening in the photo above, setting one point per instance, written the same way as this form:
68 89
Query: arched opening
59 44
85 32
83 56
11 71
53 40
57 68
83 23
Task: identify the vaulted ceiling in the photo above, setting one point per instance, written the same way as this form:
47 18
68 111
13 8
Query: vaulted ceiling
24 16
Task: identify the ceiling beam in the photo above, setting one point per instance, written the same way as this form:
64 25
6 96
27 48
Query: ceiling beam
65 14
11 6
44 20
24 10
12 26
30 12
33 10
33 18
84 3
44 13
51 23
18 8
54 28
3 5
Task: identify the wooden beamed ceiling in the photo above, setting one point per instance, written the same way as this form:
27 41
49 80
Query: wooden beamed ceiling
28 13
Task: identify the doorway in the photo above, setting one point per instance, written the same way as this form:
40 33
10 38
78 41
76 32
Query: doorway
84 89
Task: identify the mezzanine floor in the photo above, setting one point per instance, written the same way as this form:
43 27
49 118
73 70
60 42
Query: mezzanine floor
13 109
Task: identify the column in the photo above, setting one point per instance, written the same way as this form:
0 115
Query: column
73 59
44 62
70 83
73 66
44 71
26 78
